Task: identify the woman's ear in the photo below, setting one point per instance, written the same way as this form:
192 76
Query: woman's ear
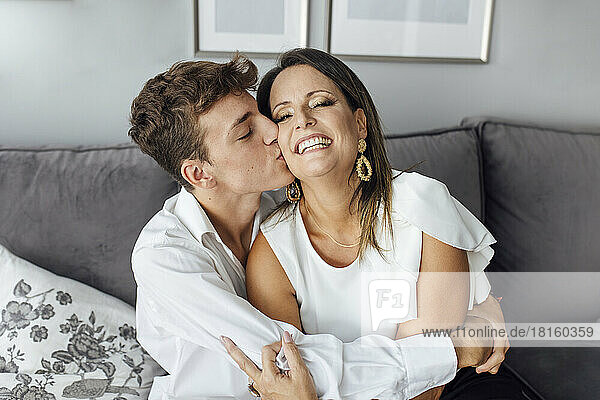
361 122
195 173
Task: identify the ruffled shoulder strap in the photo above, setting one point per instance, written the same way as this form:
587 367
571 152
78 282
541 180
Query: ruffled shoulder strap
281 233
427 204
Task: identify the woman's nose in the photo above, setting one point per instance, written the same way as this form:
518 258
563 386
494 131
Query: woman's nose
304 120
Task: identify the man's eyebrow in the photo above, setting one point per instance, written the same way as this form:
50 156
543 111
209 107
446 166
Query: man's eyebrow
240 120
307 95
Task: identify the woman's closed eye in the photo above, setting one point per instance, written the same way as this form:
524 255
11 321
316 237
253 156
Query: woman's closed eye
312 105
321 103
281 118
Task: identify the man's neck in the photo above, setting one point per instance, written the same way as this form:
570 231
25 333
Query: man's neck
232 215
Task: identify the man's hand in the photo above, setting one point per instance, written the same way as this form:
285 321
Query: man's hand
271 382
471 351
491 311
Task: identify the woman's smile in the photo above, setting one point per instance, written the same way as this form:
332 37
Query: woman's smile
312 142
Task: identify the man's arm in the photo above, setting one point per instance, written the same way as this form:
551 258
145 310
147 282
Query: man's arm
190 300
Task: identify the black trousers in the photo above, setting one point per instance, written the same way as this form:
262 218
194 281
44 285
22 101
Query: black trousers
469 385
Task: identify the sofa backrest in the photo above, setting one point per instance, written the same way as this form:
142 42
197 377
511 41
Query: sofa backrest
542 196
78 211
542 204
450 155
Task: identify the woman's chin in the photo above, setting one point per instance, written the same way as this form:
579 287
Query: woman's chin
314 168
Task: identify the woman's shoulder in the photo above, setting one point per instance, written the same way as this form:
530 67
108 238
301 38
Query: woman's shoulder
414 193
426 203
416 184
281 219
281 235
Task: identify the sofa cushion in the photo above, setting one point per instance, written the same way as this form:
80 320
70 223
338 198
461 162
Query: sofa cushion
82 340
541 203
542 197
449 155
557 373
77 212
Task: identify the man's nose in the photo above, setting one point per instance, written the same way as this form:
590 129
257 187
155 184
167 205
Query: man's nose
270 132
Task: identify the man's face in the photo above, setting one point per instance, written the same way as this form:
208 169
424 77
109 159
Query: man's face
242 147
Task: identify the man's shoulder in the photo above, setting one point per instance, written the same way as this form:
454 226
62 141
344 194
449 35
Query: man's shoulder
167 244
165 229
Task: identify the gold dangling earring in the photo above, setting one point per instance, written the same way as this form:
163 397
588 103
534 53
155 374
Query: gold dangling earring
362 163
292 192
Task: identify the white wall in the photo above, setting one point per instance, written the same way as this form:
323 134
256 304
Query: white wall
69 69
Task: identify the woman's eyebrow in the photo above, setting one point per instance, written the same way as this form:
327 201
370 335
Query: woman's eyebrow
317 91
307 95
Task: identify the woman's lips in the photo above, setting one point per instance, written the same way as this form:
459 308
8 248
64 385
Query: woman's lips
315 141
314 148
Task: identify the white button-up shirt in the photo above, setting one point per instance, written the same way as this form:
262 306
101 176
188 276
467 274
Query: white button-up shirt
191 290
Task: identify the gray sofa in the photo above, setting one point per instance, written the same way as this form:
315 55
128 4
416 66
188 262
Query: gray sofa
77 212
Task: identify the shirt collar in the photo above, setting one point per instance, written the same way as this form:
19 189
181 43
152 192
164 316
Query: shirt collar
189 211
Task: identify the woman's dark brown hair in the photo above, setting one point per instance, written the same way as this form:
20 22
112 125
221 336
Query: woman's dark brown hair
371 195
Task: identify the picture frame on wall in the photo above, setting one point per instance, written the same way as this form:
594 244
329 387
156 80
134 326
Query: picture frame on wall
411 30
255 27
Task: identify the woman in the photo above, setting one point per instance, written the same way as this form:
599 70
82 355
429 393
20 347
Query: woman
348 212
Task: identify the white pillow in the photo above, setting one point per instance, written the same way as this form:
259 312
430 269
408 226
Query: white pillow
61 338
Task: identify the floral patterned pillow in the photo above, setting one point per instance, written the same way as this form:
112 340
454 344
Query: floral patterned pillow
62 339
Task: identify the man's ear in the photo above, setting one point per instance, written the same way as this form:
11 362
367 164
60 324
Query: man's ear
361 121
195 172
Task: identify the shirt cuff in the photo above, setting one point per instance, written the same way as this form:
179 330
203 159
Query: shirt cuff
429 361
482 287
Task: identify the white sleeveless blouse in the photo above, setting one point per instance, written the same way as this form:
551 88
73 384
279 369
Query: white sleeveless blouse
329 298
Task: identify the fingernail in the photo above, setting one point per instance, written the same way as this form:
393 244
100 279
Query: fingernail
226 341
287 337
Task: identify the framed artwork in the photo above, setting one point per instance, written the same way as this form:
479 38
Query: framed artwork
250 26
444 30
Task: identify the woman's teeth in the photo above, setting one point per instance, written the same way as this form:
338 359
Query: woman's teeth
313 143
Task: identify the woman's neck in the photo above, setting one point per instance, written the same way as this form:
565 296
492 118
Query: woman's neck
328 202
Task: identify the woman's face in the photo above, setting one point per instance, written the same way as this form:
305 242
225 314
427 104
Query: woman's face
318 132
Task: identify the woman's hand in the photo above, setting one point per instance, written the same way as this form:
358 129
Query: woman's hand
271 382
491 311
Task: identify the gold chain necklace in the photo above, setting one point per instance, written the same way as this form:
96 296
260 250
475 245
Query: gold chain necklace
348 246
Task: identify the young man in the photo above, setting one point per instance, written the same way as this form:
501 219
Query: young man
198 121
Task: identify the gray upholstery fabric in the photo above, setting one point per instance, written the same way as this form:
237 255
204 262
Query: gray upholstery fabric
449 155
542 197
77 212
557 373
